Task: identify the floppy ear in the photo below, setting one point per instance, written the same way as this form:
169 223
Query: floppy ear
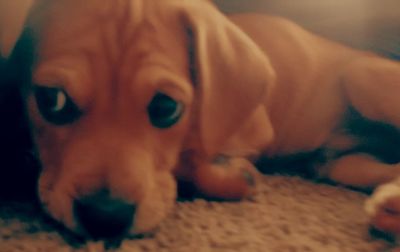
230 73
12 18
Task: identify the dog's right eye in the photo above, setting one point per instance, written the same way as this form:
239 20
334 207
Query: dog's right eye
55 105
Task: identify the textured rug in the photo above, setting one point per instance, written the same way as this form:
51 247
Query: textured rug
287 214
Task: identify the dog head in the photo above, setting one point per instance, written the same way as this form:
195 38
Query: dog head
118 90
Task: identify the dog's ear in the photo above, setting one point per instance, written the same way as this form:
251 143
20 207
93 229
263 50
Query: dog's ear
12 18
230 73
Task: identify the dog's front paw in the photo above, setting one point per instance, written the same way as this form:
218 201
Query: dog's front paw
226 178
383 207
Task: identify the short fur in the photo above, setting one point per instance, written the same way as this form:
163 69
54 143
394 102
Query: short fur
253 86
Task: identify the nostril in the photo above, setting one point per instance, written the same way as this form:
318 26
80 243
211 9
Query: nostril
104 217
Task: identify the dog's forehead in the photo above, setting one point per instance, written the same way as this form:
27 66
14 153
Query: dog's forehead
61 24
71 15
84 46
118 32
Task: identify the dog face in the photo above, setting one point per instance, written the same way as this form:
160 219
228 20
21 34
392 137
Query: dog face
119 89
110 112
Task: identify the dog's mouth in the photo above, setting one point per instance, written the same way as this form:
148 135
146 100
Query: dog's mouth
107 215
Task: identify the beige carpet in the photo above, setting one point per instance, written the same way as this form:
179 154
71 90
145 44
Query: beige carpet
287 214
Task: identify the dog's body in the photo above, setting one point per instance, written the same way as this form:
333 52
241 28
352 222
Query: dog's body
249 87
310 106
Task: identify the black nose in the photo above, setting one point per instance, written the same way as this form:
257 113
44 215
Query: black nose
102 216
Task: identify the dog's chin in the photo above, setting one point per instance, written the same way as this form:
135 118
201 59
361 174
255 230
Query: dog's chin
151 210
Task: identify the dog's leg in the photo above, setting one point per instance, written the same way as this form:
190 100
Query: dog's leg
363 171
384 207
226 177
372 86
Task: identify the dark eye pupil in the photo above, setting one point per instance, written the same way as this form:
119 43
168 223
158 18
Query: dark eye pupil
164 111
55 106
47 97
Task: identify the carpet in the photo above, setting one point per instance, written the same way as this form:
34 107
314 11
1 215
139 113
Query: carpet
288 213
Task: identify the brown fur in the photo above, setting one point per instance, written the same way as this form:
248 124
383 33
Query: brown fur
252 85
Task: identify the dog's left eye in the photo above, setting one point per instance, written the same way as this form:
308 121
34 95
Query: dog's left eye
164 111
55 105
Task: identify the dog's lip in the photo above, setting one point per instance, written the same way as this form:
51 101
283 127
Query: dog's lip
141 235
133 233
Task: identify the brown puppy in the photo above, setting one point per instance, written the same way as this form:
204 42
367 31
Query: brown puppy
127 95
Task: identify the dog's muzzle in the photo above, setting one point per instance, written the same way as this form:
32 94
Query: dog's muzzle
101 216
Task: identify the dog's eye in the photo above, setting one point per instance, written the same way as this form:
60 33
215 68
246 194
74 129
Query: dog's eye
55 105
164 111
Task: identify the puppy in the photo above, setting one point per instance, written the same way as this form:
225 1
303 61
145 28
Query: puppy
126 97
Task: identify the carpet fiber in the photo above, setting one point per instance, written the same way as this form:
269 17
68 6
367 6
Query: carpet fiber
287 214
